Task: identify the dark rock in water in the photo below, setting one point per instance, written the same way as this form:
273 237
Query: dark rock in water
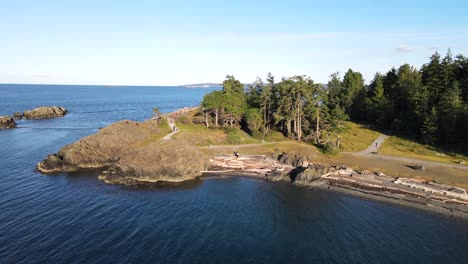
45 112
7 122
53 163
275 175
18 115
312 173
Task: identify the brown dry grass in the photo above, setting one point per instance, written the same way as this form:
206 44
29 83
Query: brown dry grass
396 146
446 175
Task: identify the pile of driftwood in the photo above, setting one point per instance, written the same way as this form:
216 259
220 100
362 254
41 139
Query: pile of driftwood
378 183
260 165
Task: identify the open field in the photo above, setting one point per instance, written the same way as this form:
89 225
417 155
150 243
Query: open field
396 146
358 137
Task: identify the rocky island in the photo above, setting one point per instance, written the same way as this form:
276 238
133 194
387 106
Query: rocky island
7 122
43 112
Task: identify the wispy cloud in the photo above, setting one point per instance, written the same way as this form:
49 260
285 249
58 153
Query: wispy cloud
405 49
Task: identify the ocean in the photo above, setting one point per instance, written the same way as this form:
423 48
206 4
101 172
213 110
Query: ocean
75 218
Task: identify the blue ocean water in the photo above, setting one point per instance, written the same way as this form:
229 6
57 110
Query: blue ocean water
75 218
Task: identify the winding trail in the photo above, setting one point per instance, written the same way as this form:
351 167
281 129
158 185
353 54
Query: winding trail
375 145
173 127
371 153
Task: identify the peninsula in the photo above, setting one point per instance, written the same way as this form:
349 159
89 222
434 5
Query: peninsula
149 152
406 141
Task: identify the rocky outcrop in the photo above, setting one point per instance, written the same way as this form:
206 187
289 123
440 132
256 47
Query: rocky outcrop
312 173
45 112
293 159
167 161
128 153
18 115
7 122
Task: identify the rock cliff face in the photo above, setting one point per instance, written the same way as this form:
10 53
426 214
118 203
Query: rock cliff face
43 112
7 122
128 153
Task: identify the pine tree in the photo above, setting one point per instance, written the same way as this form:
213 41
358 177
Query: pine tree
430 128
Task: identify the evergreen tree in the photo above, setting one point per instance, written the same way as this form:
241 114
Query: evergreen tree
353 84
234 99
430 129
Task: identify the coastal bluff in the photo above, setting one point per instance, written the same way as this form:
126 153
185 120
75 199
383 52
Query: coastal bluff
129 153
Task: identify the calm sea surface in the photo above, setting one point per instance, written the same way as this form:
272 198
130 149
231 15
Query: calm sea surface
78 219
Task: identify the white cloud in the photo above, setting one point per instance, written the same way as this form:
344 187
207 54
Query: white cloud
405 49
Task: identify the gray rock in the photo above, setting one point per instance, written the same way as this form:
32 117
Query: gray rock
18 115
7 122
312 173
45 112
53 163
275 175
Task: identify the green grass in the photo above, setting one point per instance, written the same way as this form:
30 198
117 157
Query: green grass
163 129
275 136
358 137
396 146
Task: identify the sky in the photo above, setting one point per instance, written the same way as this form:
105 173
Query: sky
181 42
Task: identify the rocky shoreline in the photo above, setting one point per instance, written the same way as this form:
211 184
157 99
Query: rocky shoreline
411 192
131 153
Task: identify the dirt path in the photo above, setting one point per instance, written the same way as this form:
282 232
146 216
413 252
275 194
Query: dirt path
375 145
408 161
173 127
371 153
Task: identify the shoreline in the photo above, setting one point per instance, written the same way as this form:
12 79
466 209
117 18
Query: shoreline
324 186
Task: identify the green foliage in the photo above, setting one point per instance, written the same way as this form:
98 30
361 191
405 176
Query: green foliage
428 104
185 120
327 148
430 129
234 136
254 119
234 99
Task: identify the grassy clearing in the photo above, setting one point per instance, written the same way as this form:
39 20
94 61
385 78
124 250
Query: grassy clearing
358 137
289 146
275 136
162 130
396 146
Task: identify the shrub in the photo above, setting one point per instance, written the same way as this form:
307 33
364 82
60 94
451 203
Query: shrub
185 120
233 135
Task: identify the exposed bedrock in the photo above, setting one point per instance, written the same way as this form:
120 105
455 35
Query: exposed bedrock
128 153
7 122
43 112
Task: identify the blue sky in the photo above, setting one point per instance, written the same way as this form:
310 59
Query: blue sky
179 42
